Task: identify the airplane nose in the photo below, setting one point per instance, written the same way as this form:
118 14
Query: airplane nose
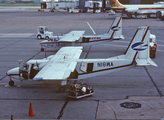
14 71
8 73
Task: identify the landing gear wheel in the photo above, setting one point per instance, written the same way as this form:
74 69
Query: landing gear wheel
11 83
62 88
42 49
129 15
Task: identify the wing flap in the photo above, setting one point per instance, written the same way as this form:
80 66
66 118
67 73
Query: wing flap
61 64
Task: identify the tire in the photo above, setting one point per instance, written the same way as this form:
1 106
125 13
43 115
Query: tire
62 88
129 15
47 38
11 83
39 37
42 49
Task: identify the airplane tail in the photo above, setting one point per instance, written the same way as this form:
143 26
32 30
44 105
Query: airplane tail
139 48
115 3
116 29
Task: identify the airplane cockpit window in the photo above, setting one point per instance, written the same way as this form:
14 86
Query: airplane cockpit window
24 66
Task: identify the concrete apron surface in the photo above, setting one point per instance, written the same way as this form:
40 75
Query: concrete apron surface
148 108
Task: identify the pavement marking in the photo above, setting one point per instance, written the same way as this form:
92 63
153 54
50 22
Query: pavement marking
16 34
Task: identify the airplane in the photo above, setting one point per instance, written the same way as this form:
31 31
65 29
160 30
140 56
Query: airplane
65 64
76 38
130 10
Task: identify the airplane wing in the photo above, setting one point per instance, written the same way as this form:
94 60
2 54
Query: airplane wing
61 64
71 36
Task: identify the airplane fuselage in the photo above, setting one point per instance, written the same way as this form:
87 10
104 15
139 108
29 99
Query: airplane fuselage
83 41
136 9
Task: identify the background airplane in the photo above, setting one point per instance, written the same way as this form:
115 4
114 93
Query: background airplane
66 65
76 38
130 10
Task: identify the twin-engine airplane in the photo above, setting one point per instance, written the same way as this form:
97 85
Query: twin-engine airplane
76 38
130 10
66 65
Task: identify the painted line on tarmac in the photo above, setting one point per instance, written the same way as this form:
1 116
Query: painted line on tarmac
16 34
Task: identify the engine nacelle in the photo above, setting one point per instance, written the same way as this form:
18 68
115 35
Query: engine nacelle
132 10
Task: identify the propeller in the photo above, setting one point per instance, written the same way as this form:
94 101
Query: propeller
45 53
57 37
20 71
37 64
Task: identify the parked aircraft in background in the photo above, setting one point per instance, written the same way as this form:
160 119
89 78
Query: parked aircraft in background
76 38
66 65
130 10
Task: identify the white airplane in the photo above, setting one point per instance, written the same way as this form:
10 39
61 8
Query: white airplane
66 65
130 10
76 38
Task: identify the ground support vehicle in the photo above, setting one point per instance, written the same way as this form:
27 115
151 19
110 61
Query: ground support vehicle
153 45
74 10
152 51
76 91
43 33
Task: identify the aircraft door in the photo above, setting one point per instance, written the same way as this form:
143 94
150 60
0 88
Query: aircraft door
85 40
33 70
87 67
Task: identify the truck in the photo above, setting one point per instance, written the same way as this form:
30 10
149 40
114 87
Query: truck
43 33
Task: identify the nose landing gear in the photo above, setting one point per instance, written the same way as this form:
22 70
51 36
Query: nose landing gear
11 82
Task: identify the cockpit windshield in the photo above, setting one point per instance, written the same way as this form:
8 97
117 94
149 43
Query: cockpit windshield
24 66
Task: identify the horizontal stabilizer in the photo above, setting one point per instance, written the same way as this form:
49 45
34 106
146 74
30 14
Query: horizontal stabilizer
143 62
118 37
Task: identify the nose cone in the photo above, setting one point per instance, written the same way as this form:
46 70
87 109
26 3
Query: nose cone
13 72
44 42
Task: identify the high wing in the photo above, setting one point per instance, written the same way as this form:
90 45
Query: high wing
61 64
71 36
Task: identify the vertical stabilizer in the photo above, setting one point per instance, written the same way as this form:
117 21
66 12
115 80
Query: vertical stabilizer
115 3
138 49
116 29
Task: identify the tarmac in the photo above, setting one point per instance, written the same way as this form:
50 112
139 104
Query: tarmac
136 93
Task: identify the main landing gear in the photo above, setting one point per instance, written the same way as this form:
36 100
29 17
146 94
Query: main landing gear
62 88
